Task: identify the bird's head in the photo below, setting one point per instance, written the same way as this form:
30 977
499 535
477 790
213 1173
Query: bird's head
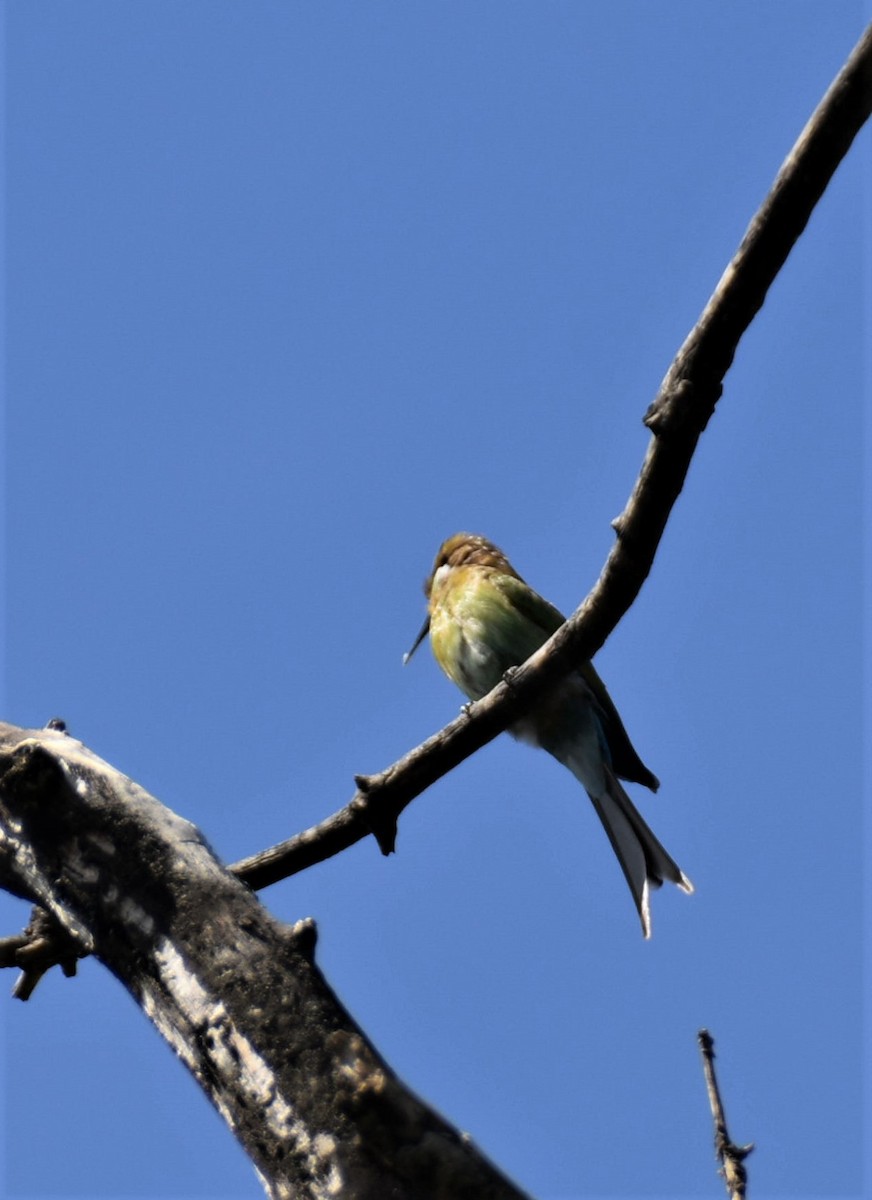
458 551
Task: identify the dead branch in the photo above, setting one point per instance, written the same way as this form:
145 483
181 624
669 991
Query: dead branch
729 1155
234 992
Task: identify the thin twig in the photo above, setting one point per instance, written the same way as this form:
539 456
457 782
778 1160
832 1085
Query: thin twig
677 417
729 1155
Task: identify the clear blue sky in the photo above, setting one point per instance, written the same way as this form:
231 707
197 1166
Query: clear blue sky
294 292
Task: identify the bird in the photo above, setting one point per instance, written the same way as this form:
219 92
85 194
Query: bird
484 620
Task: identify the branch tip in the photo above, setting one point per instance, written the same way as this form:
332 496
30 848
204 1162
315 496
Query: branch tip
729 1155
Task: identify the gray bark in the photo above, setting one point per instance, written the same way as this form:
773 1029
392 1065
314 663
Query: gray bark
235 992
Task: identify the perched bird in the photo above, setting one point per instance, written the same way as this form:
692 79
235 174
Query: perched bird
483 619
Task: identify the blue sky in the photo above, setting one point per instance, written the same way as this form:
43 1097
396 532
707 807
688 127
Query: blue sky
294 292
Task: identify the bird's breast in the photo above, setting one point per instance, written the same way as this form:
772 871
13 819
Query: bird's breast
476 630
462 649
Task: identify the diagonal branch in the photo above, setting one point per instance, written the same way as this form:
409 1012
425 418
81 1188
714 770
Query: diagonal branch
235 993
677 417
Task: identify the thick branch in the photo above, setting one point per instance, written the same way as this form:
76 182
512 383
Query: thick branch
234 992
680 412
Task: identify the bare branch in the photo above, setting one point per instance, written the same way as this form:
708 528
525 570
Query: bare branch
235 993
730 1156
677 417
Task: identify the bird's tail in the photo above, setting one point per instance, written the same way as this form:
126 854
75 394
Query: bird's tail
643 859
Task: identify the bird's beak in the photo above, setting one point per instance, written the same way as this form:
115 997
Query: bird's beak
425 629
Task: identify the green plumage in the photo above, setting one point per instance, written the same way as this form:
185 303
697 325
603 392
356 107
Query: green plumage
488 621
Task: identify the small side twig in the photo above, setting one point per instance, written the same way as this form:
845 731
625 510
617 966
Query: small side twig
729 1155
42 945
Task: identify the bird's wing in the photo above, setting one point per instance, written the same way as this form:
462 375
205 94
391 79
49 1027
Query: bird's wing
626 763
530 604
516 620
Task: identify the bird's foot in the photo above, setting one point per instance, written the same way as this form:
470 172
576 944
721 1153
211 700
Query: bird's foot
509 675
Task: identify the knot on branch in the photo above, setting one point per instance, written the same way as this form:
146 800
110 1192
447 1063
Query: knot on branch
381 822
303 938
683 407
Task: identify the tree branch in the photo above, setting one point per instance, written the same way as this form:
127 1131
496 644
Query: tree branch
677 417
729 1155
234 992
